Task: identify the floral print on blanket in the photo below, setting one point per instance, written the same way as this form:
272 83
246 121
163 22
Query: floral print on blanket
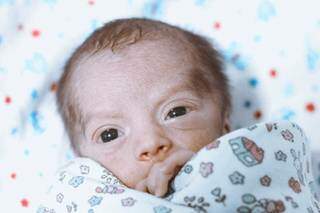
264 168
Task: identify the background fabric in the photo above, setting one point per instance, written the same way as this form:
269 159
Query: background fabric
271 49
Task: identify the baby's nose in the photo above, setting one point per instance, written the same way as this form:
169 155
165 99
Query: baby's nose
155 150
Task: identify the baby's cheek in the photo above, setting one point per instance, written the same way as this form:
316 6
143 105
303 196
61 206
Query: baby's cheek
197 139
192 121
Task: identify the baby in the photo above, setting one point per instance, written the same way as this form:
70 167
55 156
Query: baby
140 97
146 106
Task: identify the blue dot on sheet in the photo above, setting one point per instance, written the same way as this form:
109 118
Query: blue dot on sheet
315 88
288 90
34 94
247 104
14 131
154 8
26 152
50 2
6 2
313 58
253 82
34 119
60 35
96 24
257 38
287 114
3 70
37 63
231 55
266 10
200 2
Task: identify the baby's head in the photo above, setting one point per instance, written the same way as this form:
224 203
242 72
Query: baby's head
137 91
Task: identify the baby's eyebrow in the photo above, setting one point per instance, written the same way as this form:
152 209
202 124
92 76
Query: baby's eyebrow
97 115
177 89
199 82
194 81
101 114
185 87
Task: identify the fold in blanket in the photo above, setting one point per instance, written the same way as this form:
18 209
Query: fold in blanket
262 168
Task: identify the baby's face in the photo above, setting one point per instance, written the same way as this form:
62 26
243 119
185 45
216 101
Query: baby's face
139 109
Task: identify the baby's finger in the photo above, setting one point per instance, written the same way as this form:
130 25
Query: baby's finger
162 188
158 184
152 178
177 160
141 186
161 173
157 181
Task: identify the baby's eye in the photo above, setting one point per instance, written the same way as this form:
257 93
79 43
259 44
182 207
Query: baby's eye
175 112
109 135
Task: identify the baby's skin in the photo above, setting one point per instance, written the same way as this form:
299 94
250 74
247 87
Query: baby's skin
144 119
161 173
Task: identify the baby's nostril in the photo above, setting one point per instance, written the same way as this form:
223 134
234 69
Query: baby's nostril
145 155
163 148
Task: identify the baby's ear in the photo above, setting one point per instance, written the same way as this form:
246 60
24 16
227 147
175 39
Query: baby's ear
226 125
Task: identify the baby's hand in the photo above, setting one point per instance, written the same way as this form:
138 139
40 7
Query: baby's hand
161 173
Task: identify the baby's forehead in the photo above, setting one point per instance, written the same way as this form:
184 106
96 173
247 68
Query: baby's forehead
148 64
165 49
145 55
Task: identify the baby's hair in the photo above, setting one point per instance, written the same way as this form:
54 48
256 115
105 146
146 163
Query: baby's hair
117 35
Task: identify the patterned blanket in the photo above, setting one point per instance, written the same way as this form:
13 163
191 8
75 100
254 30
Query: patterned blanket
262 168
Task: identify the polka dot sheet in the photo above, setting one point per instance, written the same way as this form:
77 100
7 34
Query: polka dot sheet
271 49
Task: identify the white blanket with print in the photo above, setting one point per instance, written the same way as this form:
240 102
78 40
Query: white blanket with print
262 168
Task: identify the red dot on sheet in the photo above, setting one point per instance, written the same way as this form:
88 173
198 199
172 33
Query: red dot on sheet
24 202
91 2
273 73
217 25
13 175
35 33
7 100
310 107
257 114
53 87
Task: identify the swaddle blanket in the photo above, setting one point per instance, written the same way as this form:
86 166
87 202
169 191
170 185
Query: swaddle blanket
262 168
